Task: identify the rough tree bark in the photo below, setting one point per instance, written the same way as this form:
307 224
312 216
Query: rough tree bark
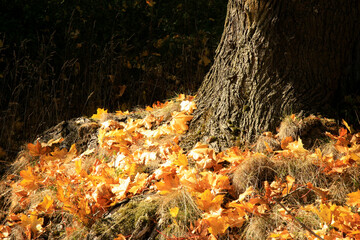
275 57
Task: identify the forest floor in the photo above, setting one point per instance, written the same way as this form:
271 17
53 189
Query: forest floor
137 183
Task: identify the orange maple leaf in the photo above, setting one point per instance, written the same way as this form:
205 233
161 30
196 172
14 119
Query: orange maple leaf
290 181
37 150
285 142
103 194
168 184
208 202
217 224
180 160
46 205
32 221
354 199
30 181
179 122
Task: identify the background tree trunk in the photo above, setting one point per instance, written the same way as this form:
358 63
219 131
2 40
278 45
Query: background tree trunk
275 57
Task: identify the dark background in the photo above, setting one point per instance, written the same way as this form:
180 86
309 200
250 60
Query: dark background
61 59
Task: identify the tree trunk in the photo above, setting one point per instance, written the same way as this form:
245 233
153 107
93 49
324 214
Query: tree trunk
275 57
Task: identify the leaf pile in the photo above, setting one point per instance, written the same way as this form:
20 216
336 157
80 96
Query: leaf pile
61 191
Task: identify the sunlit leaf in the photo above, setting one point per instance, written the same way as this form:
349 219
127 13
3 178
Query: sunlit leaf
46 204
99 114
32 221
174 211
37 149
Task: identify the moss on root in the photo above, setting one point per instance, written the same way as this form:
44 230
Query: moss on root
135 218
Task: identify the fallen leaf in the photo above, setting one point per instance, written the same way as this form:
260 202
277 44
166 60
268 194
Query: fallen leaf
174 211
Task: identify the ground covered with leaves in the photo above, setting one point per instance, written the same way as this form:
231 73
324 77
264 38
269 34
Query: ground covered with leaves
138 183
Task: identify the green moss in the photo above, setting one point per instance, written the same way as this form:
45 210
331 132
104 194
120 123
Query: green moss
126 219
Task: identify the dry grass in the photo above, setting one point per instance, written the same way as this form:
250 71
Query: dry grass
253 172
188 213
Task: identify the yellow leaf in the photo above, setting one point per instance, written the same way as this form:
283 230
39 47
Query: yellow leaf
297 147
208 202
354 199
174 211
168 184
32 221
139 183
179 122
121 189
30 181
181 160
347 126
78 166
99 114
46 204
217 224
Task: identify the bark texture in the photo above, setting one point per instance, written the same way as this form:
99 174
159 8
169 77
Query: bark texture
275 57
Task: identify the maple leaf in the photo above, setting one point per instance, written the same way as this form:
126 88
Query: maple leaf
121 189
147 122
354 199
285 142
217 182
283 235
103 194
37 149
174 211
30 181
139 183
46 205
179 122
203 155
180 160
32 221
168 184
187 106
181 97
217 223
297 147
99 114
208 202
201 150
